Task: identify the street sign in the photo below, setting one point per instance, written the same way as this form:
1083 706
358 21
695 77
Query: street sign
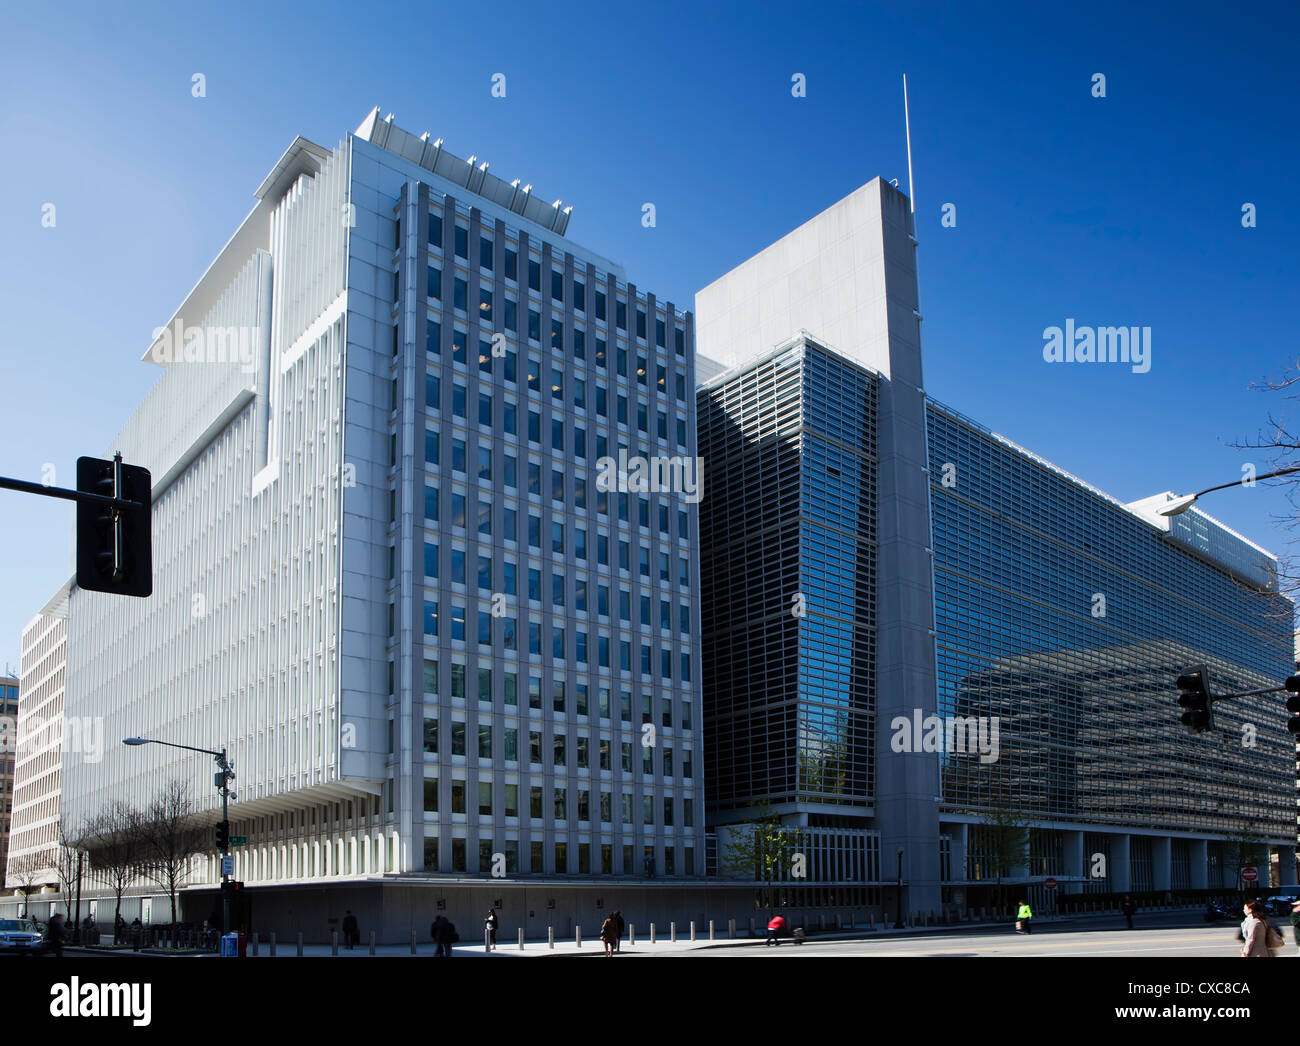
1249 874
227 865
238 840
1049 884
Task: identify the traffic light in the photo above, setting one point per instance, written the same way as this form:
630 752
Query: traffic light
223 836
232 888
1293 702
114 546
1194 696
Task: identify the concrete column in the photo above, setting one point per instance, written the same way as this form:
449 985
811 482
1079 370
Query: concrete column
1286 865
1200 862
1161 859
1120 877
1076 861
959 834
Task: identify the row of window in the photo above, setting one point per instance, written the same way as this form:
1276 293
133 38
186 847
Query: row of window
578 297
559 696
559 749
561 853
560 804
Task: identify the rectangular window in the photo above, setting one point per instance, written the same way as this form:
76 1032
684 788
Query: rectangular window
435 230
431 738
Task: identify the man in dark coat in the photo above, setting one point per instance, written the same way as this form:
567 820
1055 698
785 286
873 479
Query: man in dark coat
619 927
1129 909
351 935
54 936
444 936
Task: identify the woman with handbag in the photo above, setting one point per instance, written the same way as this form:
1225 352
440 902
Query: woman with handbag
1260 937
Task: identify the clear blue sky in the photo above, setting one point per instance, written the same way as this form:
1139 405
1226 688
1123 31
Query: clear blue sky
1122 210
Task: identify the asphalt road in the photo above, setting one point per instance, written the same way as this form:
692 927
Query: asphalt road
1153 941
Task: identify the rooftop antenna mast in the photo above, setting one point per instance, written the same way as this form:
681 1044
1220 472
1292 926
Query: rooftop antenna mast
907 122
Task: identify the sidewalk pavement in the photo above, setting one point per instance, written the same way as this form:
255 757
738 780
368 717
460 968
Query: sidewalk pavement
508 947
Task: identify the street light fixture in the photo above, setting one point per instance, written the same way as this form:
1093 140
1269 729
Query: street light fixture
1183 502
225 774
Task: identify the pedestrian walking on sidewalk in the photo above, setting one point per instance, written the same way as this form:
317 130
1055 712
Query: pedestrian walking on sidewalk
351 935
1129 909
1295 922
490 925
775 928
620 927
54 936
1024 918
1256 931
608 935
444 936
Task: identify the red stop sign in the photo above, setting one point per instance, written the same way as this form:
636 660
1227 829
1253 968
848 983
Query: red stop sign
1249 874
1049 884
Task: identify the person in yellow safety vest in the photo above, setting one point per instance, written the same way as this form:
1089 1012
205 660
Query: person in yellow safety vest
1024 918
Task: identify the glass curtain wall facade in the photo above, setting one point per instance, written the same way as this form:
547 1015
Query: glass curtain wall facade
1068 616
788 577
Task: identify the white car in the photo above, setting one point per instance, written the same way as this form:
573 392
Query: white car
19 936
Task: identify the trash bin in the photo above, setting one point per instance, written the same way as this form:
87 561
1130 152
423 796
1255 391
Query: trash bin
230 946
243 945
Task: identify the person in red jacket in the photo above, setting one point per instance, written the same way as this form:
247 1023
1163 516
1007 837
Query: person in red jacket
775 928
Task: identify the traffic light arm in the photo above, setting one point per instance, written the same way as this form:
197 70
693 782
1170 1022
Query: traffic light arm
25 487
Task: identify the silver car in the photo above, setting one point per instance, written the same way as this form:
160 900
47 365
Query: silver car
19 937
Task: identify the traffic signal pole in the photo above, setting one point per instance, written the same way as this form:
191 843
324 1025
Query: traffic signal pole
1195 685
225 849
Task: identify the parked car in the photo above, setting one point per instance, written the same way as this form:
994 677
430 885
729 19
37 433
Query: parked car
1281 905
1222 913
19 937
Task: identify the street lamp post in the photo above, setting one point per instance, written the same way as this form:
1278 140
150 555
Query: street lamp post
1185 501
898 922
225 774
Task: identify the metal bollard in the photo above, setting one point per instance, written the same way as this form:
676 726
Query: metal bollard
751 926
731 929
631 934
273 944
253 950
412 942
577 936
372 942
334 942
550 937
692 931
521 938
710 929
652 933
672 932
300 944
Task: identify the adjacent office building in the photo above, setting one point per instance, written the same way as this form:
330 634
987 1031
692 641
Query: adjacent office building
8 746
914 629
398 573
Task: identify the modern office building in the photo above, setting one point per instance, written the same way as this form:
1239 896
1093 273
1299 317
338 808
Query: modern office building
38 751
8 749
450 644
1067 615
914 629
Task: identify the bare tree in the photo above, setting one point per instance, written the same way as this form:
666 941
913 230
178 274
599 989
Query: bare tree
30 871
68 852
114 838
1280 442
171 839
